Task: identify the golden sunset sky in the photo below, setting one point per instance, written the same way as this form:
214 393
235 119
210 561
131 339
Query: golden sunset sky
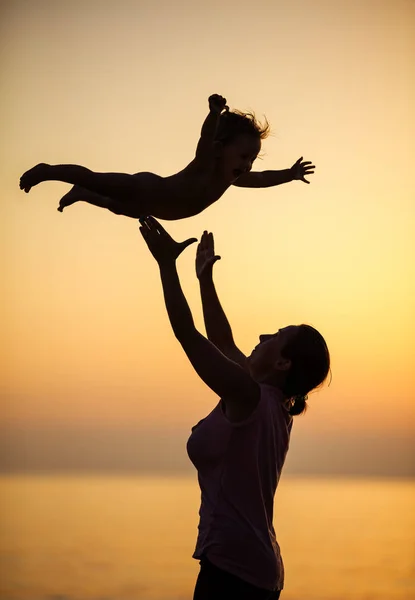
88 355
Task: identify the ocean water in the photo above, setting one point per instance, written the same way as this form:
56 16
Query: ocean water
132 537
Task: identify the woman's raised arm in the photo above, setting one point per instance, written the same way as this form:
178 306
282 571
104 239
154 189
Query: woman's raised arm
227 379
218 329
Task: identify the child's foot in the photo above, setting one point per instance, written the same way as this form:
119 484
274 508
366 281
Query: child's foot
33 177
78 193
74 195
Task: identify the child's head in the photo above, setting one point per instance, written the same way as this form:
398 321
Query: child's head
239 138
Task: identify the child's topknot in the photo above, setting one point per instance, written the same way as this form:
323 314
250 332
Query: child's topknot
234 123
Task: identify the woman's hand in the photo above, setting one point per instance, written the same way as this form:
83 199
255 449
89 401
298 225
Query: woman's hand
161 245
205 255
302 168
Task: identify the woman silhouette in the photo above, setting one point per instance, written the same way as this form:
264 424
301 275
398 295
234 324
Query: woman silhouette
240 447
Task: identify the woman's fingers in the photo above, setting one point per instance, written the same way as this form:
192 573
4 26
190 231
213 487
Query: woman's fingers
157 237
205 240
209 244
188 242
183 245
143 231
206 237
206 243
153 225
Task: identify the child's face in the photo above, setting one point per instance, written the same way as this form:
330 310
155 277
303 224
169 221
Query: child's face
238 156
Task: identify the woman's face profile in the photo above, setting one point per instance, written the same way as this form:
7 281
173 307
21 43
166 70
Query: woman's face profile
267 357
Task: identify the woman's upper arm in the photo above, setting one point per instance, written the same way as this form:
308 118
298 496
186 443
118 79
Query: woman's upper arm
225 377
233 352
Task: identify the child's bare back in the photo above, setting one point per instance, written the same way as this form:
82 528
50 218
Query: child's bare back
229 144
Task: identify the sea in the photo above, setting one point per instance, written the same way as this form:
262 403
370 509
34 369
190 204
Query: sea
131 537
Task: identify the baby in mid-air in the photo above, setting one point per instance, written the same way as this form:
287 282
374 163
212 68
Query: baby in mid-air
229 143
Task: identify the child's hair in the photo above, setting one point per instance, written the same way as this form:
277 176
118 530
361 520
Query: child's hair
234 123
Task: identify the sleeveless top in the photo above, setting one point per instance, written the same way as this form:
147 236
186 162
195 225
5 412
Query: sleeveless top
239 466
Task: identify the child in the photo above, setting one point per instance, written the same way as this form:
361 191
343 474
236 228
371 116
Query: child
229 143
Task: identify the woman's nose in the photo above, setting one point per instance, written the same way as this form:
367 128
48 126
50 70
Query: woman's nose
264 337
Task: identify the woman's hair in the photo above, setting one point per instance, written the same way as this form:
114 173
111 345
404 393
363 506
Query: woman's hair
234 123
310 365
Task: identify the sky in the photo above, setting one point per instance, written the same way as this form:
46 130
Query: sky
92 377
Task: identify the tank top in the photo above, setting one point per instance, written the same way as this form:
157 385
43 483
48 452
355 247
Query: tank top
239 466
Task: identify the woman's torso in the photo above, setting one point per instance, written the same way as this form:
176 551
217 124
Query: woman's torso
239 465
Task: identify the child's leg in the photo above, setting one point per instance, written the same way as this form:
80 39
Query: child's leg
121 187
79 194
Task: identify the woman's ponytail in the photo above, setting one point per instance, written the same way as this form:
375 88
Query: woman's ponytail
298 405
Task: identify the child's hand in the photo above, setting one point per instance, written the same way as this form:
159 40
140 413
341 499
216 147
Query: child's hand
217 103
161 245
205 255
302 168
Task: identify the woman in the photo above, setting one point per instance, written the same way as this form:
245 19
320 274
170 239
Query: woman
240 447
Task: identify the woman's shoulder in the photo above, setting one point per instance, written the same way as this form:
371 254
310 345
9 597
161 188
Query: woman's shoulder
266 401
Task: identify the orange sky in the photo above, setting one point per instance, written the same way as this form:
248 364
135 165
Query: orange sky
124 87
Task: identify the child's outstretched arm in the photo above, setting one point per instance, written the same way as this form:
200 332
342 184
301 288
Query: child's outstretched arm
209 128
261 179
